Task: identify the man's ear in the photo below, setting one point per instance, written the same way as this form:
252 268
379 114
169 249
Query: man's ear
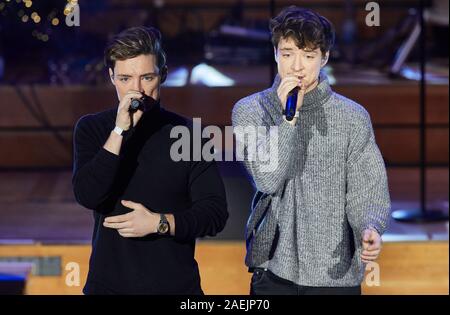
111 76
325 59
164 72
275 54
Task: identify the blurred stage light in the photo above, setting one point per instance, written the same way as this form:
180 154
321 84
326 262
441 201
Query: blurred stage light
68 10
329 72
203 74
177 77
69 6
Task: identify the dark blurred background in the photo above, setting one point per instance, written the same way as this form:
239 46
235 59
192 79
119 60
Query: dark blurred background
36 45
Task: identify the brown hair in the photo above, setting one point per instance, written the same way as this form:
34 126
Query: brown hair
307 28
133 42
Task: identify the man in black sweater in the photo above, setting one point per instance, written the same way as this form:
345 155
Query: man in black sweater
148 208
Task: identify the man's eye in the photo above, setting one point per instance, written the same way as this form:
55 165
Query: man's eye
123 79
286 55
310 57
148 78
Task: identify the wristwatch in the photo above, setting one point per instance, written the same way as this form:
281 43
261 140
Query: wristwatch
163 227
118 130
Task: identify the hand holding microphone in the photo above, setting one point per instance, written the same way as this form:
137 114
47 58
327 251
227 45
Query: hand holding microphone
139 103
291 92
127 115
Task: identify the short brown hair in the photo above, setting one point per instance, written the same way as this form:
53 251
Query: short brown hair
307 28
134 42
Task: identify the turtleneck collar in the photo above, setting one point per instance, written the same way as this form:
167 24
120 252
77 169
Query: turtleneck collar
313 99
152 107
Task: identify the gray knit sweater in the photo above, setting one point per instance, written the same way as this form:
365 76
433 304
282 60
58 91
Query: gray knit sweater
330 184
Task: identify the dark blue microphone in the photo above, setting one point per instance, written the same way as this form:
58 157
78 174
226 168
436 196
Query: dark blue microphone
291 104
144 103
137 103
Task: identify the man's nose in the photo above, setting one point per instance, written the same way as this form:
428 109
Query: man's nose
137 85
298 64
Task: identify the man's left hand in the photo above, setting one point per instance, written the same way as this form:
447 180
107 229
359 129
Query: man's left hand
137 223
371 242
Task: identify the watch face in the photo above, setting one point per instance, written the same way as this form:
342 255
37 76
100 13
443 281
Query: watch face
163 228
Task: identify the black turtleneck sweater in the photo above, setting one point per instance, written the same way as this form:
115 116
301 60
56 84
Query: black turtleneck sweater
144 172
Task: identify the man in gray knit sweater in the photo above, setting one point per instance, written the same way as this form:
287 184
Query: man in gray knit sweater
318 216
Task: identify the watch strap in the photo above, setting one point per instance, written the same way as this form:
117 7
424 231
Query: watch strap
118 130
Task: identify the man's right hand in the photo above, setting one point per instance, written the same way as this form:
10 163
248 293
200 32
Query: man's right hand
287 85
124 117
